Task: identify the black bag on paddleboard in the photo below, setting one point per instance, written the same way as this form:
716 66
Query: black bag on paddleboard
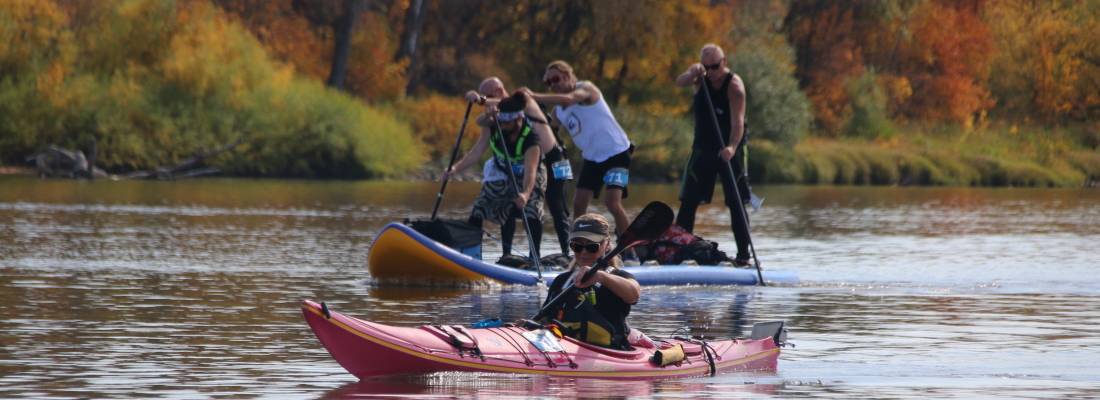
453 233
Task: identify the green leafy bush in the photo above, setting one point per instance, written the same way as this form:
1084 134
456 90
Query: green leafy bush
776 109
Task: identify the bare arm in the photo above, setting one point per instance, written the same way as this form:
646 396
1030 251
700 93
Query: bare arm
546 136
627 289
556 123
737 110
472 156
485 117
584 94
691 76
530 168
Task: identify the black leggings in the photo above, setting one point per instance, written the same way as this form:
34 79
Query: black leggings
508 230
559 210
686 219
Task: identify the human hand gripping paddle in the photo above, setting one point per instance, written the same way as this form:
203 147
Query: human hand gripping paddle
729 168
650 224
454 153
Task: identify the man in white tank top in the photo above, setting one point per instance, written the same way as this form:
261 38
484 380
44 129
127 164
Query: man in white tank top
581 109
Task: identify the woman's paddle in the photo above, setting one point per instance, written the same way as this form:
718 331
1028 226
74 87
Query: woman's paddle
454 153
522 215
650 224
729 168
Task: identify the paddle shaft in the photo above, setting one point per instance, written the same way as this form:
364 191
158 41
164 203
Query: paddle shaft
601 264
729 168
454 153
522 214
649 225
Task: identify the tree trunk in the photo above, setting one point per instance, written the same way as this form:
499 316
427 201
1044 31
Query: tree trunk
343 27
414 22
617 89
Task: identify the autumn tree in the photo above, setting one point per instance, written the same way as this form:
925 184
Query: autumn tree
1048 65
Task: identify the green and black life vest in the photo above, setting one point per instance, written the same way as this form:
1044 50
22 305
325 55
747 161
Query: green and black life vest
583 322
494 143
514 162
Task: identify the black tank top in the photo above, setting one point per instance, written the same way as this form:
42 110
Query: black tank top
704 123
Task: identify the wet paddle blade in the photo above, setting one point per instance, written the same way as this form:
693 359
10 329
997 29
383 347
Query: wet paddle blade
649 225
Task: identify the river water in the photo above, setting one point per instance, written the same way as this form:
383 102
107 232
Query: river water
191 289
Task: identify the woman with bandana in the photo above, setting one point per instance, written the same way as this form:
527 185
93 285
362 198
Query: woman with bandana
520 157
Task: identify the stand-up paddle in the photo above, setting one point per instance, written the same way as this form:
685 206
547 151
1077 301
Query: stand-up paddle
729 168
650 224
454 153
522 214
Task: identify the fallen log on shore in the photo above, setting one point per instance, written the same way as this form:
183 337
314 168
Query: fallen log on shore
187 168
54 161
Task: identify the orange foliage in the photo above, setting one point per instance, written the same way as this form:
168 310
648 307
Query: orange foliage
826 38
435 120
947 63
290 36
932 56
1049 65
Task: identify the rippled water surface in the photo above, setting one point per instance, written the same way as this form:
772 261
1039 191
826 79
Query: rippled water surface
191 289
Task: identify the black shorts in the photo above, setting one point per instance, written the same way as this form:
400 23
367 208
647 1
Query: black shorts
614 171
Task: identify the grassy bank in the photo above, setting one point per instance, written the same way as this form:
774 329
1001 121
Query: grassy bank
997 154
936 155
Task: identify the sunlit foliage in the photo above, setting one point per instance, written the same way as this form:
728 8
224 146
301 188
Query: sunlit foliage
157 80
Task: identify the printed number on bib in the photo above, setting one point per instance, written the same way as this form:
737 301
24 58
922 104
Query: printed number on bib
517 168
617 177
562 170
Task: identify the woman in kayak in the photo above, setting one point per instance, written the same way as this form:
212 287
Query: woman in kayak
597 313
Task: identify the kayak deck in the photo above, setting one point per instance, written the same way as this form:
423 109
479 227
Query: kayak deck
367 349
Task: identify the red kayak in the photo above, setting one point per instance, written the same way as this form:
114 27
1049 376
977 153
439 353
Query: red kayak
367 349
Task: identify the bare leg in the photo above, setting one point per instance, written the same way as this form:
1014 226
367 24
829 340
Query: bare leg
581 198
614 203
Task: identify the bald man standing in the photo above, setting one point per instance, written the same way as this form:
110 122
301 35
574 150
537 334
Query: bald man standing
727 94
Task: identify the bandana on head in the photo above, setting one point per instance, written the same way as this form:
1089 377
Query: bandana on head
509 116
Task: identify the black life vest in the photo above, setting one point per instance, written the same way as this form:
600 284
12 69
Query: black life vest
583 322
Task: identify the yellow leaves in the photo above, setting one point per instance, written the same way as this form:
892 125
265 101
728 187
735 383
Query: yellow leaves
33 35
50 81
435 120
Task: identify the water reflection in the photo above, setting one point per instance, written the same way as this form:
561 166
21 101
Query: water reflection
192 290
487 386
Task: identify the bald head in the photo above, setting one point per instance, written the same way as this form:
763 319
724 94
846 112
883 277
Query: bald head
492 87
711 54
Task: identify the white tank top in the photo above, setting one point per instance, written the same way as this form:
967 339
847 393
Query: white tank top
594 130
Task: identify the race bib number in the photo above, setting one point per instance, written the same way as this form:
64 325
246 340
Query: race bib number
617 177
562 170
517 168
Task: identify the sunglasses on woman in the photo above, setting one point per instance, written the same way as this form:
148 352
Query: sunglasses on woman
552 81
591 247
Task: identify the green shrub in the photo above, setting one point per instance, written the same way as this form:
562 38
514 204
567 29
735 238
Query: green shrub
868 119
663 143
777 110
192 80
